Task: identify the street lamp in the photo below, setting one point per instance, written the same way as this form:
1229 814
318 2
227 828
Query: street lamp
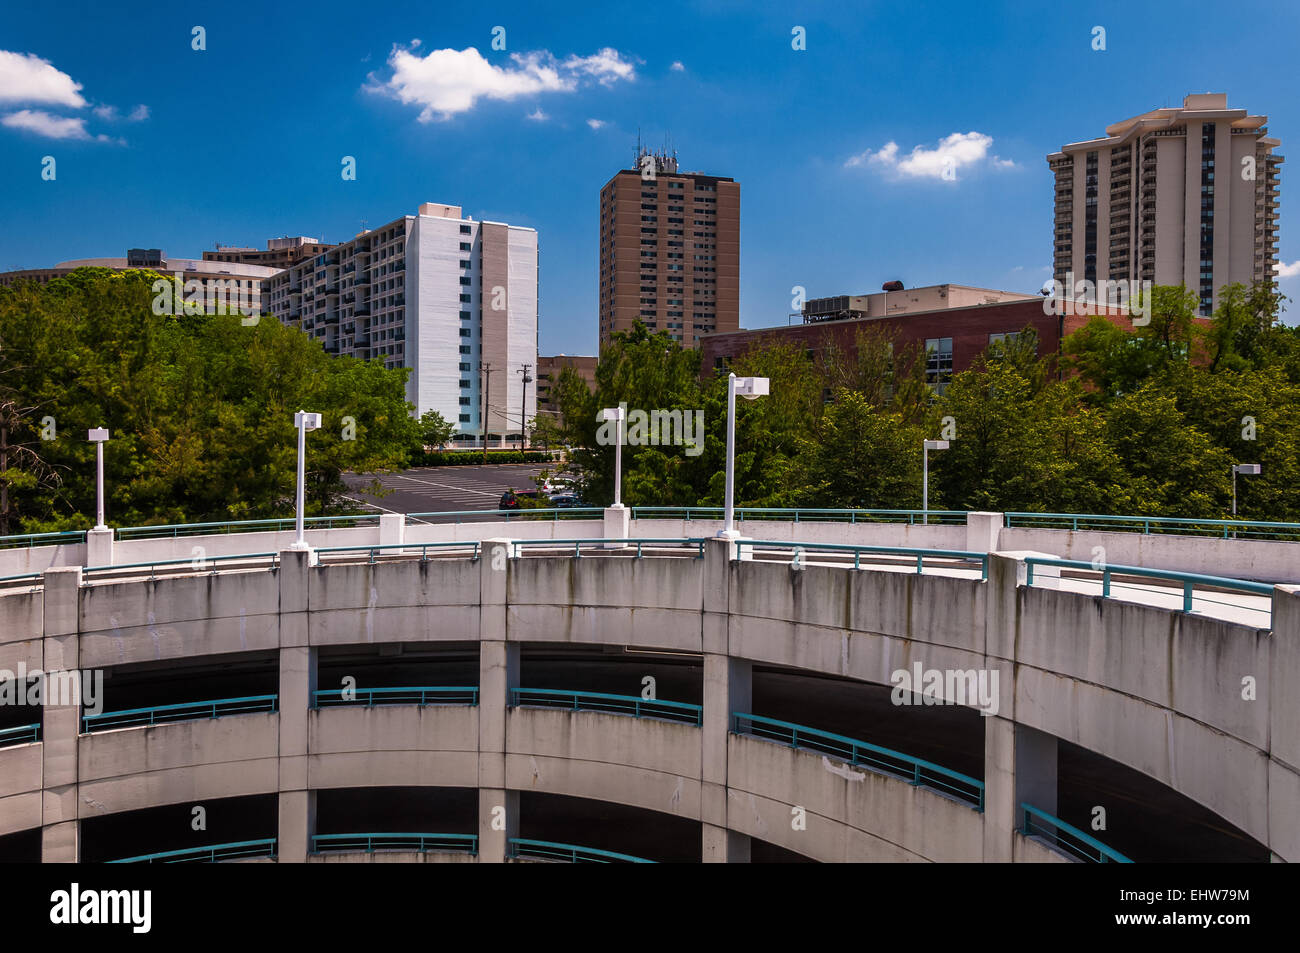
1245 469
750 388
304 422
926 447
98 436
617 414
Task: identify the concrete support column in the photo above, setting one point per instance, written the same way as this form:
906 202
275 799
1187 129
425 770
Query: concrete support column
392 529
617 520
297 682
983 531
498 674
722 846
99 547
498 821
1283 716
1000 805
728 688
61 723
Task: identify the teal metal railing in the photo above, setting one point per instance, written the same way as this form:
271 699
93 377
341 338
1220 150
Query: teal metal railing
30 540
542 513
245 526
633 705
801 514
424 843
209 855
863 754
1149 525
1069 839
401 549
572 853
1227 529
30 578
599 543
412 695
1188 580
188 711
194 564
909 552
20 735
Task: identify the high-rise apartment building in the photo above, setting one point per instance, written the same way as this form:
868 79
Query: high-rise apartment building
1181 195
669 250
451 298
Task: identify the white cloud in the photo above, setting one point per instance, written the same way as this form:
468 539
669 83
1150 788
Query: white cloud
608 66
537 115
677 67
957 151
1288 271
49 125
448 82
595 123
111 114
26 78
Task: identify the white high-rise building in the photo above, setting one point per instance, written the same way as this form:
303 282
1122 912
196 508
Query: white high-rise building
453 299
1183 195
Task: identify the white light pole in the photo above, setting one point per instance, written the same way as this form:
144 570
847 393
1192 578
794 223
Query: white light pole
304 422
1245 469
618 415
926 447
750 388
98 436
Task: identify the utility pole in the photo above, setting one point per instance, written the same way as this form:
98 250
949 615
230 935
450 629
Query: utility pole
523 406
486 368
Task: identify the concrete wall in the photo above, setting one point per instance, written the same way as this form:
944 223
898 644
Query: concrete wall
1259 560
1156 690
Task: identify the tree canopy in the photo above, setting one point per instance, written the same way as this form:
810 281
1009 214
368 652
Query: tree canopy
199 409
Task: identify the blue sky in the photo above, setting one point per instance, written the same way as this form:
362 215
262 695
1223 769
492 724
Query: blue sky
160 145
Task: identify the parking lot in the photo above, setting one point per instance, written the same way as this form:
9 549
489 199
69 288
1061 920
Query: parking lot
444 489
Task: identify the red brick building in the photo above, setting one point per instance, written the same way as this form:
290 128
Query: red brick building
954 336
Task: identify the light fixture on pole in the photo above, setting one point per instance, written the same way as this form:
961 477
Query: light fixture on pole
750 388
926 447
1245 469
304 422
618 415
97 436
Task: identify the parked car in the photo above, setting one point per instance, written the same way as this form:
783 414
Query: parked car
509 501
565 501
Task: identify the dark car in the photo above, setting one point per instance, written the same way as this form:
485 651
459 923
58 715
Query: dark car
566 501
508 501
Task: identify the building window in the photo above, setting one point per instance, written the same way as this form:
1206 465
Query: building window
938 363
465 315
465 349
464 246
464 401
466 332
464 418
464 230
